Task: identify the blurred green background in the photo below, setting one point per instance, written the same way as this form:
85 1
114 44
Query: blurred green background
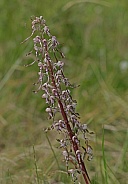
94 38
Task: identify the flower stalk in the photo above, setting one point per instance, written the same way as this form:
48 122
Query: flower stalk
71 134
56 92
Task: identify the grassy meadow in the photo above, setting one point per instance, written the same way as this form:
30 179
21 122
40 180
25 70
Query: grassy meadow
94 37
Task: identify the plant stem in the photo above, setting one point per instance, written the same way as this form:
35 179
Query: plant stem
70 133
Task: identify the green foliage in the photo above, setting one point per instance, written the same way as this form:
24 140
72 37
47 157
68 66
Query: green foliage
94 38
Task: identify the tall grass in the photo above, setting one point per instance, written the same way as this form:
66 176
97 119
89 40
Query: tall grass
95 39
